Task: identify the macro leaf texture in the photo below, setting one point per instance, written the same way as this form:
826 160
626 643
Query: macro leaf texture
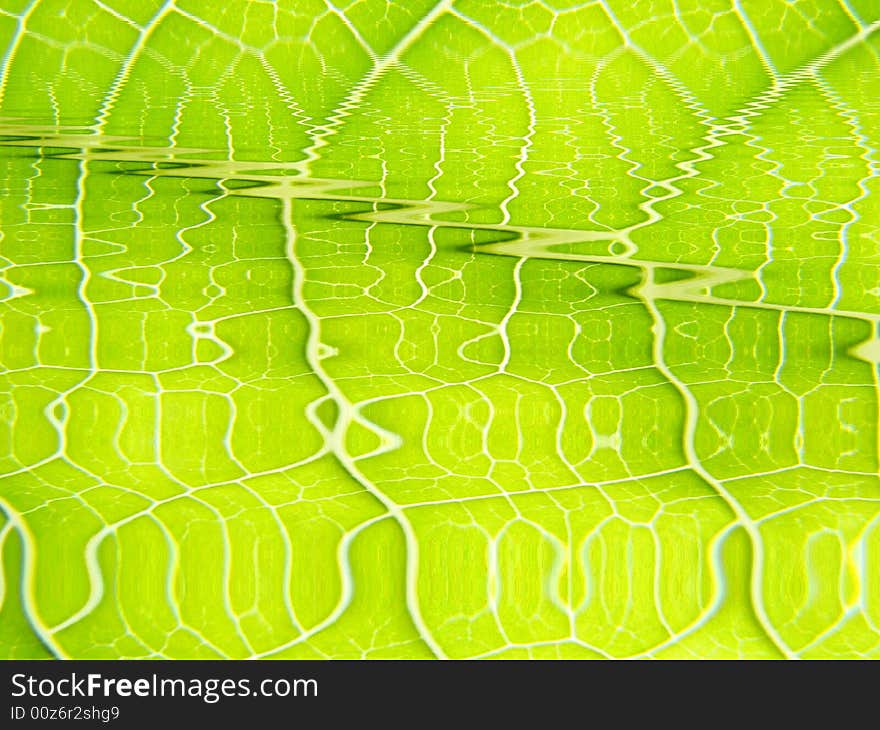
458 329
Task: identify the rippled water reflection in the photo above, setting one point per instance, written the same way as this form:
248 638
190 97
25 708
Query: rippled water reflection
457 329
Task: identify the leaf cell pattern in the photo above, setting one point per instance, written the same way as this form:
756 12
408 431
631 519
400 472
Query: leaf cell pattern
466 329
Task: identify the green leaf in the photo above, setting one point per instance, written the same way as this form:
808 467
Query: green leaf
457 329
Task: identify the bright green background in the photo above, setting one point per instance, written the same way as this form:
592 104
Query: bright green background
476 329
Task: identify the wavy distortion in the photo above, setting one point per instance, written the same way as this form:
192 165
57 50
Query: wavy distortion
454 329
